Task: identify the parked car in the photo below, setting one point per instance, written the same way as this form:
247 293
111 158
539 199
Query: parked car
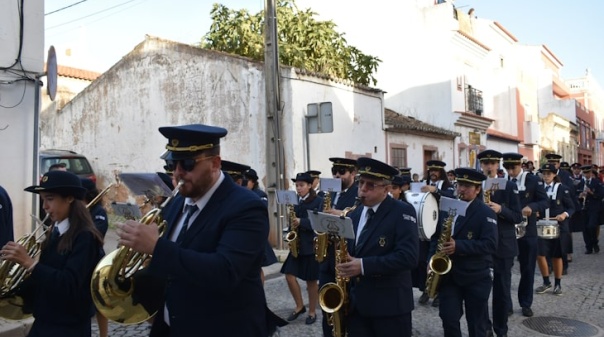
74 162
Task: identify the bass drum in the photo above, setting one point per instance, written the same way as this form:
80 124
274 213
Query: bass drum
426 207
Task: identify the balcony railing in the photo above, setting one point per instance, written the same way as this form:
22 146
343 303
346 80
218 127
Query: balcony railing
473 100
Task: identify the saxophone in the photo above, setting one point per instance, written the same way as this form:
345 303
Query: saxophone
333 297
321 240
292 237
440 263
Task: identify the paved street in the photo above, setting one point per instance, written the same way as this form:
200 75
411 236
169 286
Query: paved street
583 300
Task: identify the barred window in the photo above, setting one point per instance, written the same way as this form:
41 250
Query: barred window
398 157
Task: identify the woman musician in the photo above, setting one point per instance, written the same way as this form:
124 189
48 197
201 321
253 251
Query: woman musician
304 266
561 207
58 289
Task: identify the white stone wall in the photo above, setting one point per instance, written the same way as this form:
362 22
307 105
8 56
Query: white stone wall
18 106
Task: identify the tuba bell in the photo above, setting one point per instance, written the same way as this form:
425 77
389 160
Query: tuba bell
113 284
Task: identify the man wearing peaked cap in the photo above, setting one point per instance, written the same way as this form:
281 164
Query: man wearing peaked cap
344 169
533 200
405 172
384 250
213 215
506 204
592 192
470 246
235 170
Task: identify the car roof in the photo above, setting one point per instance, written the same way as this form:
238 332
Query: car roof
56 152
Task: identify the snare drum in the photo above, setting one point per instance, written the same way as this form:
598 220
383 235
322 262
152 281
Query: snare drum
548 229
426 207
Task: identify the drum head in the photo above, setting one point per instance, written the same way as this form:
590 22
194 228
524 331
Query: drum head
426 207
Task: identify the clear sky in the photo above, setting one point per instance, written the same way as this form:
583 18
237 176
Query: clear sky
100 32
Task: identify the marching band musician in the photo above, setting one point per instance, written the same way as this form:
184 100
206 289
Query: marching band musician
533 200
566 180
344 169
58 289
471 249
252 184
561 207
235 170
380 258
316 178
396 191
212 249
506 205
438 184
6 218
593 192
304 266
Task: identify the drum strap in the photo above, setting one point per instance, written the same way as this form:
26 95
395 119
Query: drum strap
554 192
521 181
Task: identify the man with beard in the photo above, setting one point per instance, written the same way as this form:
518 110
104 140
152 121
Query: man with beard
211 252
344 169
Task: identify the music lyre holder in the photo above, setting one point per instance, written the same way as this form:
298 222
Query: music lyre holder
332 224
147 184
449 204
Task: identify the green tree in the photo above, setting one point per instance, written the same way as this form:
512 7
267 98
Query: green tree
303 41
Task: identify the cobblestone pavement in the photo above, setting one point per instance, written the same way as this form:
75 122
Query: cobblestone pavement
583 300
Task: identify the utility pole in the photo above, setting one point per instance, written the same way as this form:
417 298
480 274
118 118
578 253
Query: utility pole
274 147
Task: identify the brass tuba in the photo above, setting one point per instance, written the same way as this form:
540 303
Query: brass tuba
440 264
333 297
112 285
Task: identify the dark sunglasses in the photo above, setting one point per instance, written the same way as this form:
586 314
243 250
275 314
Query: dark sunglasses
340 170
186 164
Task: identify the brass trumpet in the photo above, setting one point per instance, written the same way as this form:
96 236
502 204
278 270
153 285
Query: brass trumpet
112 284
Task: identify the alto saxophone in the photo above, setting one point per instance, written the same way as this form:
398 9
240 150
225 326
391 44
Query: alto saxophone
440 264
333 297
321 240
292 237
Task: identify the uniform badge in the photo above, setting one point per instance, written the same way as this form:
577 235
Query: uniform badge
527 195
44 179
174 142
470 234
382 241
558 202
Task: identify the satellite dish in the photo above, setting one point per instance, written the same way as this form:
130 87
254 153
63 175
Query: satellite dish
51 73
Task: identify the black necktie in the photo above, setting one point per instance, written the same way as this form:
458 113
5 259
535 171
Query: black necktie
370 213
547 188
514 180
55 233
190 210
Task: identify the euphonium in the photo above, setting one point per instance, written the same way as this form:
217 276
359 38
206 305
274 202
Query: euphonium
292 237
112 285
333 297
440 263
321 240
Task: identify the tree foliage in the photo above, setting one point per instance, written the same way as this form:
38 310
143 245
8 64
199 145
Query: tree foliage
304 42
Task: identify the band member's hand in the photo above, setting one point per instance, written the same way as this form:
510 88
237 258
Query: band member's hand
140 237
14 252
449 247
428 188
561 216
351 268
527 211
495 207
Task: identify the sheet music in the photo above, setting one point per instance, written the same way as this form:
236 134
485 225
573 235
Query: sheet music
147 184
287 197
458 205
331 184
325 222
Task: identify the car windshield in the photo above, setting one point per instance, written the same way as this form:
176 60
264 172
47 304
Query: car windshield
75 165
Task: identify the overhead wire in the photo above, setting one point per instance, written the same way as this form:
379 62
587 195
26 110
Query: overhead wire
89 15
64 8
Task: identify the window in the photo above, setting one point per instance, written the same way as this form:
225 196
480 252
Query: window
398 157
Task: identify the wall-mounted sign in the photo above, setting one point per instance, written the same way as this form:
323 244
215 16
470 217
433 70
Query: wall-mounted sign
474 138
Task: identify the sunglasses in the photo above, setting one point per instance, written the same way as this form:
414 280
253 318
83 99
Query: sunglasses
368 184
339 170
186 164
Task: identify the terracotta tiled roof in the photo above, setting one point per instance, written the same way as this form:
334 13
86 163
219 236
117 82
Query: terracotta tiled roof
76 73
399 123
